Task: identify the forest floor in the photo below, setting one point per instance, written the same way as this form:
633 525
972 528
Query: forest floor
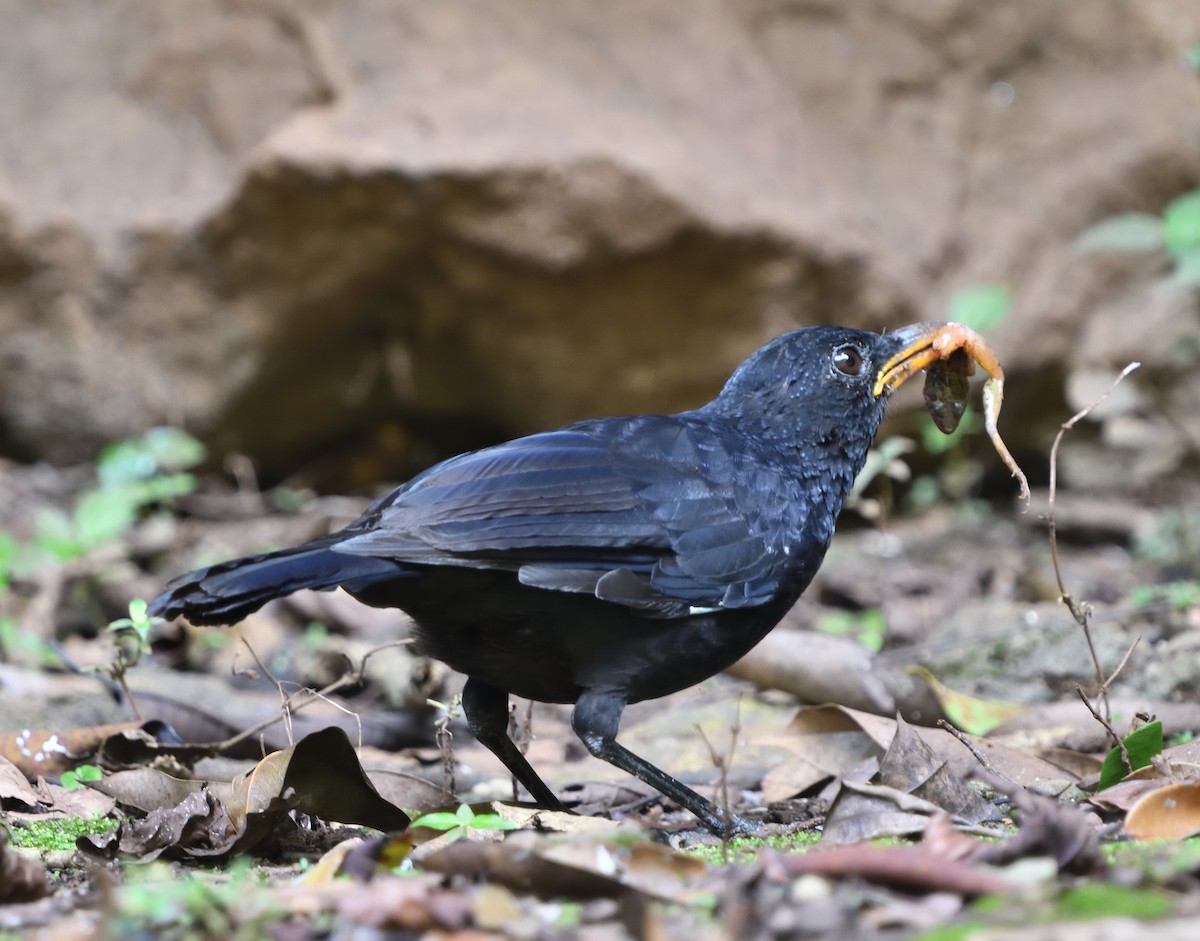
164 780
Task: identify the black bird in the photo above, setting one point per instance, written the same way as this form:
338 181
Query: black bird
613 560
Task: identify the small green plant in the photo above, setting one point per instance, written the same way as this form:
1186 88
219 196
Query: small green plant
982 307
1174 541
133 633
866 626
1179 595
155 899
16 644
315 637
74 779
1142 745
458 823
131 475
1176 232
131 642
8 554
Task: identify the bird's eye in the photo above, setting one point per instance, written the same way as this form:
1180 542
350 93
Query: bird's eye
848 360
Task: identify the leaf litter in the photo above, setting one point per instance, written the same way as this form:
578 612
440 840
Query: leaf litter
556 874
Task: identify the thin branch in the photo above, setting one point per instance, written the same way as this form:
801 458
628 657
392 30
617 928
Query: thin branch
1080 612
294 702
723 763
1107 723
969 746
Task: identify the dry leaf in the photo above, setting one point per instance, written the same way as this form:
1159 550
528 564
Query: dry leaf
22 879
1168 813
913 868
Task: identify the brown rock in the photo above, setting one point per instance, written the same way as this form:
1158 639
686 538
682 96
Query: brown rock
300 226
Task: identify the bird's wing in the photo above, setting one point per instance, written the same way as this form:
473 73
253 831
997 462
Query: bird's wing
648 512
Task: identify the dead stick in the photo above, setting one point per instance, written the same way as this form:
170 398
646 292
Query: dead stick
1078 612
295 705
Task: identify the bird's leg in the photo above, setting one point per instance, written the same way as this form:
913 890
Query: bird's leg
486 709
597 717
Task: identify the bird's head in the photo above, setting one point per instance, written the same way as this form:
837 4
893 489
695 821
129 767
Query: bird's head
824 388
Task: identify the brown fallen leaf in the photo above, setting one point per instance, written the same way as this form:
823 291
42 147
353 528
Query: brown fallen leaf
147 789
913 868
14 786
1167 813
196 826
323 774
320 775
406 906
47 753
910 765
826 742
22 879
819 668
1124 794
1046 827
831 739
862 812
574 867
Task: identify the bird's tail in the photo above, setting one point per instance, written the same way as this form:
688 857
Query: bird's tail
227 592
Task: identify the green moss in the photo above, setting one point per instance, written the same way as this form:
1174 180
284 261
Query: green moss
744 849
1097 900
56 835
1157 861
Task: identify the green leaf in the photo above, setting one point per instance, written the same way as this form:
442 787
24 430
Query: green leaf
1181 224
491 822
981 307
1191 57
438 820
74 779
970 713
1127 232
125 462
159 450
8 552
866 626
173 450
1187 269
103 515
54 534
1143 745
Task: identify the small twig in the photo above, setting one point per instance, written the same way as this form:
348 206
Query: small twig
445 740
1112 677
294 702
969 746
284 697
1080 612
1107 723
723 763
